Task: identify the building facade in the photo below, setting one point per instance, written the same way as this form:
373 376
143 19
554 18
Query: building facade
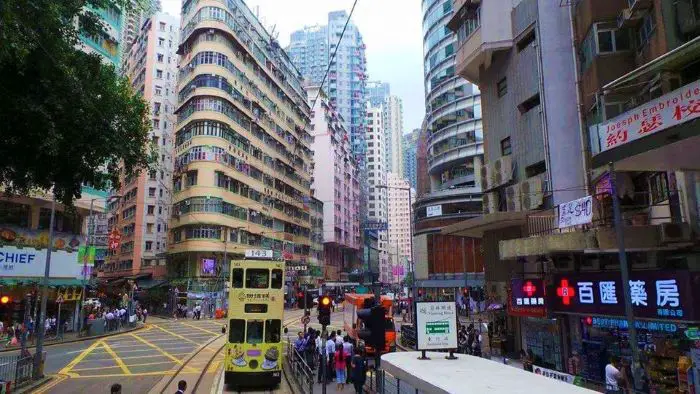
308 49
392 119
453 153
243 162
133 21
339 190
377 204
377 92
400 202
409 144
142 211
110 45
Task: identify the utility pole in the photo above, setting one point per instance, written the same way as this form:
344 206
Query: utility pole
91 224
624 272
38 365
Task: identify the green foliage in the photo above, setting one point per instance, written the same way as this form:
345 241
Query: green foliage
68 119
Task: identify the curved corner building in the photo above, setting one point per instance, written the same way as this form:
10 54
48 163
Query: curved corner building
453 127
243 164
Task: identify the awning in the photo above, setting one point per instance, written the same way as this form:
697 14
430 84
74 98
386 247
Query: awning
475 227
151 283
473 281
670 61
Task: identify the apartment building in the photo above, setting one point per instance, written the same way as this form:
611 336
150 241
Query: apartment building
339 190
392 120
409 148
377 92
243 163
142 210
309 51
400 197
377 204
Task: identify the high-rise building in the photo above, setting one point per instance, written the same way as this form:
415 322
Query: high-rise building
243 162
133 20
454 159
377 91
308 50
392 121
109 45
376 179
410 147
313 274
141 214
339 190
400 201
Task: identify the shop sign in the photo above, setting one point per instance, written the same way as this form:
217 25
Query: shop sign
433 210
621 324
377 226
693 333
665 295
680 106
30 262
577 212
437 325
527 298
556 375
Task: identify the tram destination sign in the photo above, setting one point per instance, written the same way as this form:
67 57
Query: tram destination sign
258 254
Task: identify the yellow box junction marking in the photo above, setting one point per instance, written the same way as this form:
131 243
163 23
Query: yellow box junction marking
79 358
200 328
116 358
168 355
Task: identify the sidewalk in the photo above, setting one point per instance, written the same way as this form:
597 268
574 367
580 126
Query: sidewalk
68 337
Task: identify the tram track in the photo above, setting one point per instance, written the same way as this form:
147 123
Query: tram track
189 373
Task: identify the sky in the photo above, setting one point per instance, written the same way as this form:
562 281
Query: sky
391 30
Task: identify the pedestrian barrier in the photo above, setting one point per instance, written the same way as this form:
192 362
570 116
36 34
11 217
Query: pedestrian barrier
408 336
18 370
381 382
302 373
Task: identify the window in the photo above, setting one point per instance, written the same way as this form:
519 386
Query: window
161 41
149 245
646 30
529 104
502 87
191 178
158 226
528 39
156 124
159 74
151 192
151 209
254 331
149 228
237 278
505 147
257 278
158 91
161 190
276 282
236 331
603 38
273 329
658 187
160 57
162 26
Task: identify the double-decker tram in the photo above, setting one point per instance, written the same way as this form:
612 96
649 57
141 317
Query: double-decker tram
256 307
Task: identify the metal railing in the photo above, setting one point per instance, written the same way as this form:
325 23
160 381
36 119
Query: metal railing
302 373
380 381
18 369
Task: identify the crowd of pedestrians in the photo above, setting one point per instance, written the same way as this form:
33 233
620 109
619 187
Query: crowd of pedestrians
337 357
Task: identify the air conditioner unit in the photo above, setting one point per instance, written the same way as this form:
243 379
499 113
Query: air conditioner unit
531 193
490 202
506 169
513 198
675 232
486 183
497 173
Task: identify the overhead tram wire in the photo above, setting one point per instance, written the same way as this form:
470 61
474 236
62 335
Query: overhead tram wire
342 33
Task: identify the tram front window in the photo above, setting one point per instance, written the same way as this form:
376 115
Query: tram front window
255 331
236 332
237 278
276 282
272 330
257 278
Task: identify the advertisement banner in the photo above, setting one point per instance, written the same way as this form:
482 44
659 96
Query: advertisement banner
660 295
577 212
437 325
433 210
527 298
680 106
30 262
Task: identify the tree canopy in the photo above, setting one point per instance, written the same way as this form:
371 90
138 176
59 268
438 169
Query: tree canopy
66 117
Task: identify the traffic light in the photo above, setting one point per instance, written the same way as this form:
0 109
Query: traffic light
373 332
324 310
4 300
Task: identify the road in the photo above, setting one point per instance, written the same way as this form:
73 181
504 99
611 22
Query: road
145 359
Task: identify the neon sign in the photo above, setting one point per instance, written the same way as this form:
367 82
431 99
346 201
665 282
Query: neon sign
565 292
527 298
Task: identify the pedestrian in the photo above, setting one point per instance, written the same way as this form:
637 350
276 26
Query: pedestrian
145 315
116 389
339 337
321 350
359 371
330 352
348 351
613 377
339 367
181 387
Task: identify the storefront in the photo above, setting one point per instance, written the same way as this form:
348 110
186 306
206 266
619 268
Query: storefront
665 318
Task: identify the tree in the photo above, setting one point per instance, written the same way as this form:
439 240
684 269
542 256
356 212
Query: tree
68 119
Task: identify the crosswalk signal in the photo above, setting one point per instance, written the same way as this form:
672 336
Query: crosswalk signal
324 311
373 332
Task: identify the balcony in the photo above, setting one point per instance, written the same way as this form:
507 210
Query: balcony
488 29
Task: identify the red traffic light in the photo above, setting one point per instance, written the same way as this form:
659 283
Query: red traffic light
4 299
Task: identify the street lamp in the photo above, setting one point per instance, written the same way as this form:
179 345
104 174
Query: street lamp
413 263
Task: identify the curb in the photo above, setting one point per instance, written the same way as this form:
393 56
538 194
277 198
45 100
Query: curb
75 340
35 385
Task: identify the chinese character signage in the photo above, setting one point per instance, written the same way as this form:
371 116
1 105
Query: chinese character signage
433 210
378 226
437 325
552 374
574 213
653 294
680 106
527 298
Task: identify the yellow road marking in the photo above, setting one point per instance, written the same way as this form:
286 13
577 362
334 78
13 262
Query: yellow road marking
113 375
53 383
130 365
200 328
176 335
132 357
81 356
168 355
116 358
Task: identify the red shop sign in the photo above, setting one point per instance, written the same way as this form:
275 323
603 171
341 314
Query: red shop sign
527 298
